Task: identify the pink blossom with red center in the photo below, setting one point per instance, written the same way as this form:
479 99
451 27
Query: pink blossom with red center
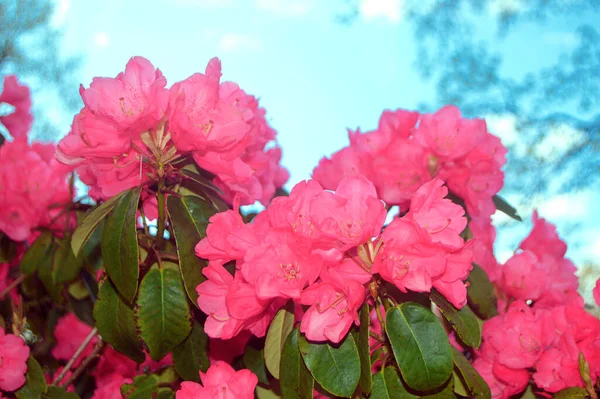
13 361
220 381
18 123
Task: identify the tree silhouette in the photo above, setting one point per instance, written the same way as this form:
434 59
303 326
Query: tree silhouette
30 47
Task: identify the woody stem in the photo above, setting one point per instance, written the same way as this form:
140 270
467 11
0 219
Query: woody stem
75 356
84 363
12 285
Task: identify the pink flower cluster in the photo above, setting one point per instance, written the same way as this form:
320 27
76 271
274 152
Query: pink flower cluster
132 127
18 96
220 381
13 361
545 327
315 247
408 149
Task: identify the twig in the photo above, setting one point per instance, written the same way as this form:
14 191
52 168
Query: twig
75 356
12 285
99 346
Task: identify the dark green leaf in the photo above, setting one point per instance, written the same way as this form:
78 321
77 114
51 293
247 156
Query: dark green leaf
571 393
254 361
120 245
116 323
387 385
58 392
165 393
336 369
36 254
463 321
473 382
189 218
480 293
162 312
143 387
506 208
35 384
191 356
268 392
362 343
204 187
420 346
65 266
295 379
89 224
446 393
280 328
8 248
45 275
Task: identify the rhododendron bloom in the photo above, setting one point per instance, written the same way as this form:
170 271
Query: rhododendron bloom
220 381
596 292
13 361
523 278
70 333
19 121
543 239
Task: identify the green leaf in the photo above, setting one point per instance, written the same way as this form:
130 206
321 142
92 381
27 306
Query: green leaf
268 393
506 208
280 328
65 266
37 254
295 379
116 323
420 346
35 383
162 312
336 369
120 245
8 248
165 393
254 361
89 224
189 217
480 293
571 393
473 382
362 343
203 186
58 392
44 273
446 393
463 321
143 387
387 385
191 355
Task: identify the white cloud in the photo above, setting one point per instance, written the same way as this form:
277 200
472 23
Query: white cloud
102 39
61 10
570 206
286 7
503 126
237 42
557 142
393 10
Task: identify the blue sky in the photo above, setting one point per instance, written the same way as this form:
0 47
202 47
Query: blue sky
315 76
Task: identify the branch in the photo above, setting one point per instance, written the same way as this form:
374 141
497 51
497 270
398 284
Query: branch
12 285
99 346
76 355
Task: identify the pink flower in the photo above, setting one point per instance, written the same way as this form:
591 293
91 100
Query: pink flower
70 333
335 303
13 361
504 382
448 134
111 387
220 381
226 350
558 368
596 292
544 239
19 121
443 219
33 188
523 277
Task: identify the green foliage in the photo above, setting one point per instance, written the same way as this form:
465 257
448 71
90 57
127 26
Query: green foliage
296 381
387 385
35 383
480 293
472 381
279 329
463 321
191 356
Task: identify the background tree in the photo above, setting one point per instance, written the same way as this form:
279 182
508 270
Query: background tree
30 47
457 52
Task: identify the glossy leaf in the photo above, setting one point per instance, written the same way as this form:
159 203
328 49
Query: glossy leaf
571 393
65 266
506 208
473 382
191 356
58 392
143 387
446 393
336 369
38 253
387 385
35 384
295 380
120 245
189 218
254 361
44 273
162 312
362 342
463 320
116 323
420 346
480 293
91 222
280 328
